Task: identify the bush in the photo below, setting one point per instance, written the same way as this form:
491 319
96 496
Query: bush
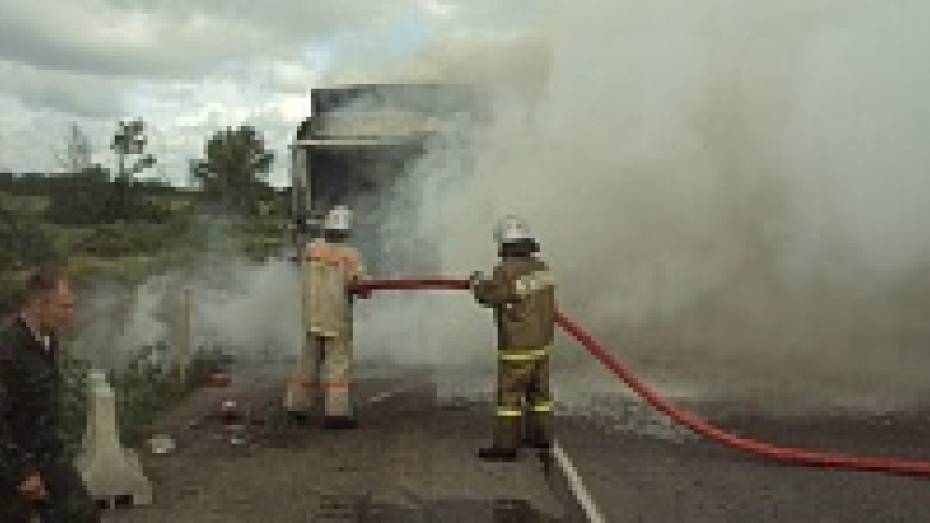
121 240
95 202
144 389
148 386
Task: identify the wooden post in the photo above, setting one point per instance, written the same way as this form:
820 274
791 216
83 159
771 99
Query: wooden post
182 355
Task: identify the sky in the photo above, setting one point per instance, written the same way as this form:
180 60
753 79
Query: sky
190 68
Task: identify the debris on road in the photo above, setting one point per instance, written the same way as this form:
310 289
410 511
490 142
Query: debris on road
161 444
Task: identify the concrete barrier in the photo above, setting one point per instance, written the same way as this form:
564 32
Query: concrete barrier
110 472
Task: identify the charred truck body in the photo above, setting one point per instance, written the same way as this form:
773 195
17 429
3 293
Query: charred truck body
360 143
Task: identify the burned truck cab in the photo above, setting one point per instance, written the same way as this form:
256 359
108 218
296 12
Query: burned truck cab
361 146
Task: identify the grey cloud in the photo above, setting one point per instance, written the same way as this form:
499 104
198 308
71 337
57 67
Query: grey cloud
464 41
78 94
107 41
168 38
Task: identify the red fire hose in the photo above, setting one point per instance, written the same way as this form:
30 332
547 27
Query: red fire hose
795 456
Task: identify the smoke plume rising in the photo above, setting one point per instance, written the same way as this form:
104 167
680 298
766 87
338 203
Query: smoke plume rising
731 195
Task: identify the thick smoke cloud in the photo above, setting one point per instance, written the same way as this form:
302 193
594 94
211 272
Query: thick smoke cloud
731 195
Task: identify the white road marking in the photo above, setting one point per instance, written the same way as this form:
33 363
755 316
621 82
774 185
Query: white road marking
565 464
575 485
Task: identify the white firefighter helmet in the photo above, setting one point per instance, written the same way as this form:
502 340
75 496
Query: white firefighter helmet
512 229
339 219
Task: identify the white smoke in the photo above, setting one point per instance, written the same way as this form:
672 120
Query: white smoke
731 195
243 307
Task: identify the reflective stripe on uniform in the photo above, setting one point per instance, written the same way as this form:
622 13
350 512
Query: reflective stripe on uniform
508 412
349 261
533 282
346 258
523 354
320 251
543 406
516 356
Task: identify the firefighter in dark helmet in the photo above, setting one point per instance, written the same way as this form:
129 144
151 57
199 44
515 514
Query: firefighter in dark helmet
521 292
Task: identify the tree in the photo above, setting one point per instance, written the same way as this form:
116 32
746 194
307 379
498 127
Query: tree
234 171
130 139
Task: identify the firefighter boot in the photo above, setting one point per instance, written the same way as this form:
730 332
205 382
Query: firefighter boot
497 454
339 423
506 438
538 429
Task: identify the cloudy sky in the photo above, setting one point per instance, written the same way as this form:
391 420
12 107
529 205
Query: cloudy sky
189 68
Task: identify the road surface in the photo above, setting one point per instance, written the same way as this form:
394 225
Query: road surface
413 459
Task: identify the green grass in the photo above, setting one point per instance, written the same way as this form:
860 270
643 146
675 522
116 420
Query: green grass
23 204
64 239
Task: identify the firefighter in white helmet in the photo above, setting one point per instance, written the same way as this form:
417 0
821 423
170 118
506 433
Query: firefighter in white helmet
329 265
521 292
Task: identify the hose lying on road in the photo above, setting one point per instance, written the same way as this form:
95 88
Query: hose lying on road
795 456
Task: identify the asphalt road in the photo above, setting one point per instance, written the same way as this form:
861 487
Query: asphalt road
413 459
637 477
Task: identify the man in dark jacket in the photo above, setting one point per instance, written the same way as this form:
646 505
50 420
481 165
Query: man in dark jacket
521 292
34 475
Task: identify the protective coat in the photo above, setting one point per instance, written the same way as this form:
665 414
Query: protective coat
328 270
521 292
326 358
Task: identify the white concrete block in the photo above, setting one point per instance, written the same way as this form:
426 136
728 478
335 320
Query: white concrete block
108 469
95 379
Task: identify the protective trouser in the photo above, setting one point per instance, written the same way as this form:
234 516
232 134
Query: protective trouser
325 370
298 395
524 402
